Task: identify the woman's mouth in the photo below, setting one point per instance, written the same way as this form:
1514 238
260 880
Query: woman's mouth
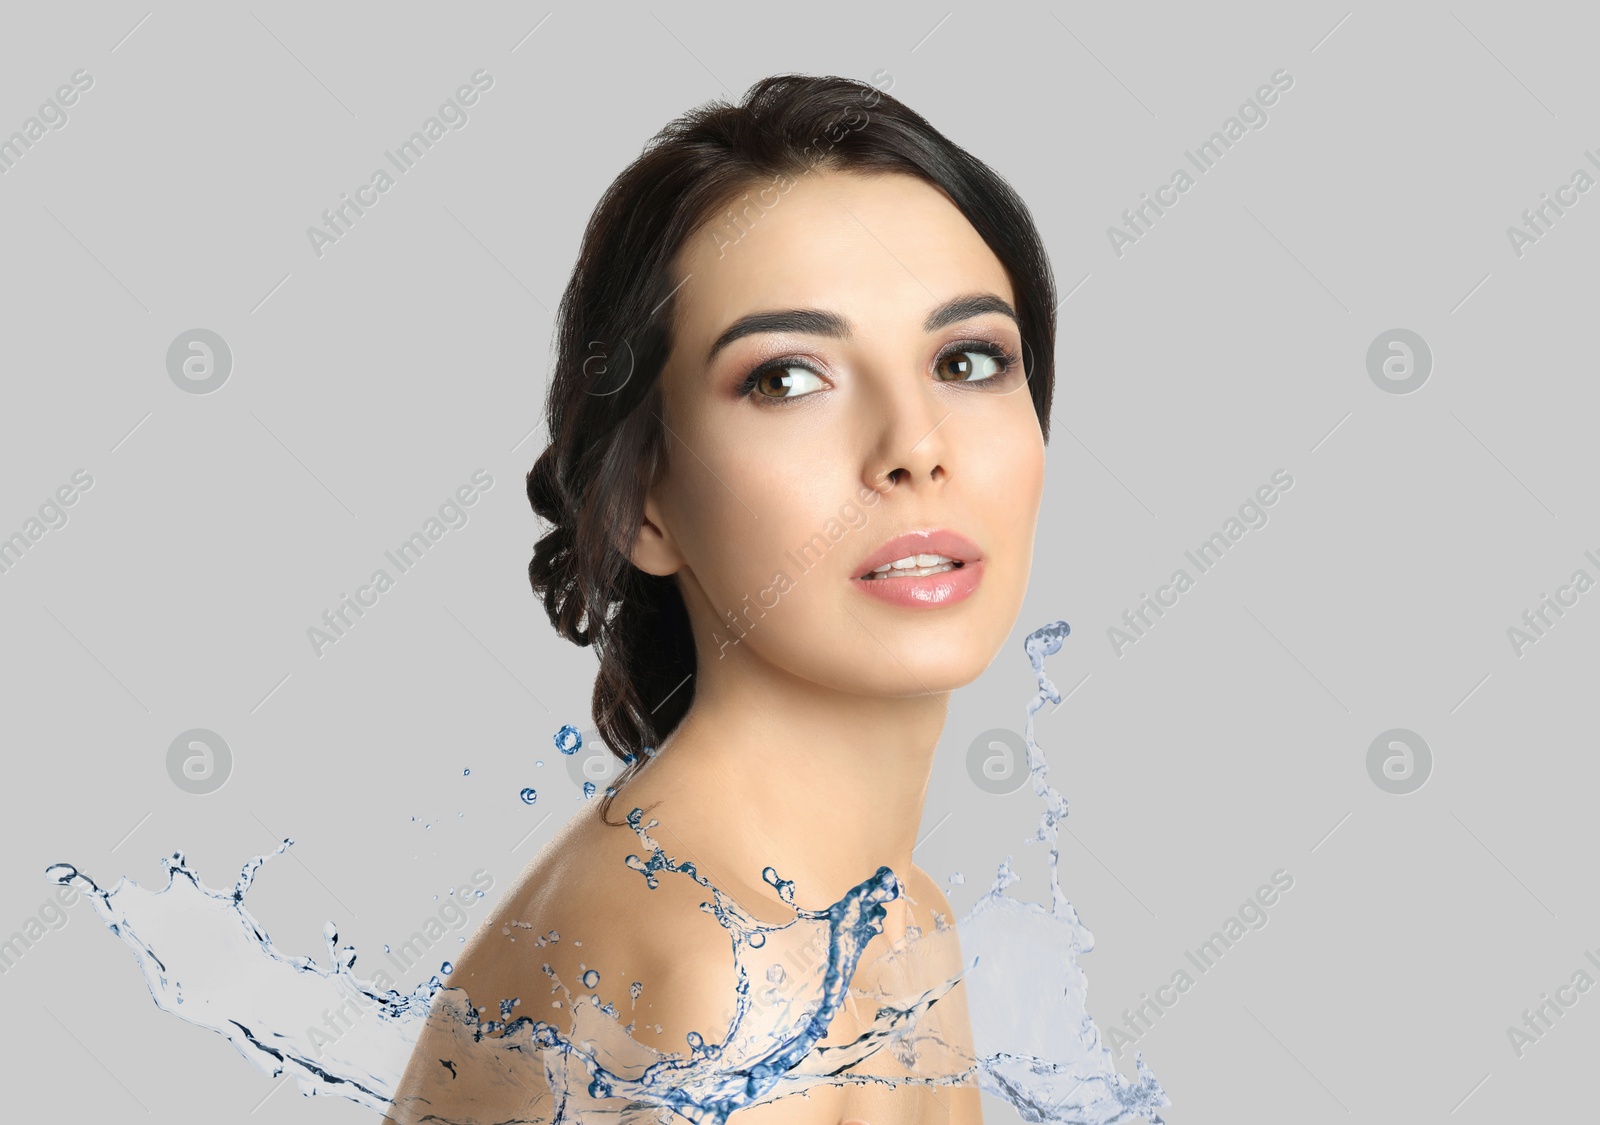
944 583
922 569
914 566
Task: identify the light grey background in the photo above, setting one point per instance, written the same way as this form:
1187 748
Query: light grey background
1230 342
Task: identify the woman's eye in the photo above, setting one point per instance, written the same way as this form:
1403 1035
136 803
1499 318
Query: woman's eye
789 381
969 367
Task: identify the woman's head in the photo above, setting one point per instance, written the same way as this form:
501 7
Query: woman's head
798 330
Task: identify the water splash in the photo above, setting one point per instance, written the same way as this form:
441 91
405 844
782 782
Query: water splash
1040 1050
341 1034
217 968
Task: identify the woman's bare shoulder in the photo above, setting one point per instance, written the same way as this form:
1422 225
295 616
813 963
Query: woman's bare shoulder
581 919
578 922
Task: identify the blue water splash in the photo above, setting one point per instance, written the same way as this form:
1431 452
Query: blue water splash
1036 1045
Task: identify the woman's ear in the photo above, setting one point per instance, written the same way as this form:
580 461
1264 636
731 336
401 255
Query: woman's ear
654 550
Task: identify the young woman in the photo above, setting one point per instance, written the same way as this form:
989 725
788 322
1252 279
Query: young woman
797 424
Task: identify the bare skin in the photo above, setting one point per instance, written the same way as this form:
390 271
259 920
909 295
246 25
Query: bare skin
813 729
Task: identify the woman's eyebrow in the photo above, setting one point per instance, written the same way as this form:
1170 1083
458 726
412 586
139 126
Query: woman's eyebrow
820 322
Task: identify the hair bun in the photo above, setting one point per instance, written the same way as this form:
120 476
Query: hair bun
544 490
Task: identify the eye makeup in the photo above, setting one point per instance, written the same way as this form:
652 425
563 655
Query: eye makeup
1010 362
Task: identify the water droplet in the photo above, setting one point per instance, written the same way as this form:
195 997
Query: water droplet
590 979
568 740
466 773
529 796
775 974
447 968
588 789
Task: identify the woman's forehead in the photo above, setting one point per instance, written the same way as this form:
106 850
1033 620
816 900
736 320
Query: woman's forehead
869 248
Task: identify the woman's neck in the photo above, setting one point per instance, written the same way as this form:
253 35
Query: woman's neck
769 770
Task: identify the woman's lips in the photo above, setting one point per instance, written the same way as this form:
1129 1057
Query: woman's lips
927 591
940 541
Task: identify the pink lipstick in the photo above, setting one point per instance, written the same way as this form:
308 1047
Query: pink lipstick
921 569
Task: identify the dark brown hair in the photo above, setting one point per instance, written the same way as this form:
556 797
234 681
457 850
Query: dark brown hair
613 337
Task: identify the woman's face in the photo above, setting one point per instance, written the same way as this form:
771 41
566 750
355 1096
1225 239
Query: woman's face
877 411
